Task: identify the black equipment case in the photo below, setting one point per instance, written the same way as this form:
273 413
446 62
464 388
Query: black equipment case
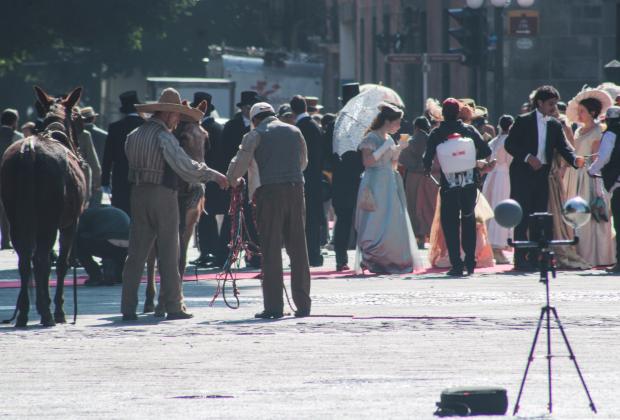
472 401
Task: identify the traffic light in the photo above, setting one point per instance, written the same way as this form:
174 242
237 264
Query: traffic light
471 34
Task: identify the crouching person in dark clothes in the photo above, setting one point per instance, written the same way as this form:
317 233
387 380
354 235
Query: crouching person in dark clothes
103 232
274 154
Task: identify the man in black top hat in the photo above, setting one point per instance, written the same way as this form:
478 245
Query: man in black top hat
312 177
114 158
346 171
213 246
234 130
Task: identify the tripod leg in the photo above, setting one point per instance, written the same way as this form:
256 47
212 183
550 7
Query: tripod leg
573 358
530 359
549 376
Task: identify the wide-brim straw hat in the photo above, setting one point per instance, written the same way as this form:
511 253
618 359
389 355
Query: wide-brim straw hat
170 101
201 107
480 112
88 112
598 94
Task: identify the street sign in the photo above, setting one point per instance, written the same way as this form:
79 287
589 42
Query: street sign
419 58
404 58
523 23
445 58
425 60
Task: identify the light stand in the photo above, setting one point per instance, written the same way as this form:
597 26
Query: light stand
547 264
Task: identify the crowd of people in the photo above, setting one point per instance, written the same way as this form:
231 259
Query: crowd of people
432 182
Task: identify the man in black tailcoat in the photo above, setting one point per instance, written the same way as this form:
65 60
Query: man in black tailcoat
234 130
347 170
312 177
115 164
532 140
213 250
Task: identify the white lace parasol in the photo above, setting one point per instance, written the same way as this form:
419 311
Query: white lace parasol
354 119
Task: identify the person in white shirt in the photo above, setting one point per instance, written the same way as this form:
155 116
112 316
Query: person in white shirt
531 141
608 165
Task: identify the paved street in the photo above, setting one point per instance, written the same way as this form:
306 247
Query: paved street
375 347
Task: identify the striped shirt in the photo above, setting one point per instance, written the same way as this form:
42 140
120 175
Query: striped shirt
150 147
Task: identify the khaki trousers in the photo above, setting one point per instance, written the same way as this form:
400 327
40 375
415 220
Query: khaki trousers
154 218
280 211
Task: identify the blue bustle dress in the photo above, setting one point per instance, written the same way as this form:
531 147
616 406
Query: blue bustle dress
385 239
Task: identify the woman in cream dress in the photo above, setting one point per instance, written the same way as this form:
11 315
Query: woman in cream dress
595 238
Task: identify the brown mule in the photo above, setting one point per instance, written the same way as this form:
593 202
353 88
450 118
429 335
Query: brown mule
44 191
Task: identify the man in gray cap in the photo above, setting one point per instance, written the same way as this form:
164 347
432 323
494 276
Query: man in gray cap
275 154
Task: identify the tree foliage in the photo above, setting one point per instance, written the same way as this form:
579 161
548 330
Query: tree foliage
64 43
97 31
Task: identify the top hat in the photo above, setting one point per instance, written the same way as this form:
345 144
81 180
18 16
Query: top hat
349 91
249 98
128 100
203 96
170 101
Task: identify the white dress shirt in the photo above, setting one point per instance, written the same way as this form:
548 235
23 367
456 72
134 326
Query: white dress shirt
541 122
608 141
300 116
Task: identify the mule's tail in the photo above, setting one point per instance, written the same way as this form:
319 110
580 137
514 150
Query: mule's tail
18 189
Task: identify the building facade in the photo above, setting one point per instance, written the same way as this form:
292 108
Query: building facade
565 43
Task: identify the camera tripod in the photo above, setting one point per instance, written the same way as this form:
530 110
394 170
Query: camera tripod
547 264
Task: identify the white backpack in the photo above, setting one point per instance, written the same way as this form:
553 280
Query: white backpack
457 158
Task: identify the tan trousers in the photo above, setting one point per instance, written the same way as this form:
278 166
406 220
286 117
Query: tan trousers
154 217
280 211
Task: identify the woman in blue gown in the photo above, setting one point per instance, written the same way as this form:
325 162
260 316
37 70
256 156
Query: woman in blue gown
385 239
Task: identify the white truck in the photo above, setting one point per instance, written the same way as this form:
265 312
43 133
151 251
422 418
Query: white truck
222 91
275 76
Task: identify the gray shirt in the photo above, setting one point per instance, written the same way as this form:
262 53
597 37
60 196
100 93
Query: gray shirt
272 153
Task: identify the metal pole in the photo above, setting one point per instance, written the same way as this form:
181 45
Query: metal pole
426 68
499 63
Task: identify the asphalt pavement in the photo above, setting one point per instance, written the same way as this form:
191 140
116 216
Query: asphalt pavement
374 347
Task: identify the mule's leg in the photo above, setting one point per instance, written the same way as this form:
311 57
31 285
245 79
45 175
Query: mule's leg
149 303
23 302
42 268
62 266
191 220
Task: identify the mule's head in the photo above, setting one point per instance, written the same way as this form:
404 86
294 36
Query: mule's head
61 112
192 136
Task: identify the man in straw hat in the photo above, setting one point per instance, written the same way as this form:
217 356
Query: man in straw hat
89 116
155 160
275 154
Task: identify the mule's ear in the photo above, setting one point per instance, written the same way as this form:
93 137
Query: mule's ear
203 106
43 98
73 98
